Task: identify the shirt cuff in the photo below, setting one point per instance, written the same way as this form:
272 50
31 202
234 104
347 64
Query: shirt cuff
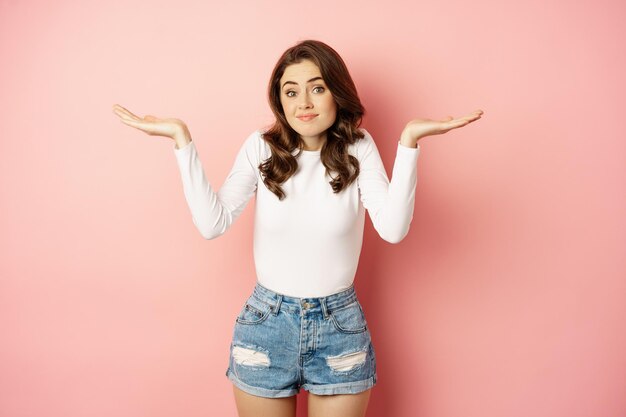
185 148
408 153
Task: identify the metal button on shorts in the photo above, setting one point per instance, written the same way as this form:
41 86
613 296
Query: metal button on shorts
281 344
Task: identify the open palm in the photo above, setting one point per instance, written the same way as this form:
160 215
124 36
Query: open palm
152 125
418 128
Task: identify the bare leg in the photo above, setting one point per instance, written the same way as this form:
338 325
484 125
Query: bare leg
249 405
340 405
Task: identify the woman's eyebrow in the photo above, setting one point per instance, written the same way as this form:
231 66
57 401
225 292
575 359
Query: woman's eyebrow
310 81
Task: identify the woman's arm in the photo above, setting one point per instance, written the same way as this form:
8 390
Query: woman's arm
214 212
389 204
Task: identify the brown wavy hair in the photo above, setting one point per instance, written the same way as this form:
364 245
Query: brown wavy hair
283 140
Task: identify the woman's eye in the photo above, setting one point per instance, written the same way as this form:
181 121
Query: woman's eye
318 88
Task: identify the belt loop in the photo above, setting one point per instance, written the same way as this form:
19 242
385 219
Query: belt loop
324 307
276 308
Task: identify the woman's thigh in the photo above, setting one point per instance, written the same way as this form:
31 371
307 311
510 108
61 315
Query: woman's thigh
338 405
249 405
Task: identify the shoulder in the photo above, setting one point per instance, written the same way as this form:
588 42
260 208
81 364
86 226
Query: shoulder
367 137
256 143
363 145
255 138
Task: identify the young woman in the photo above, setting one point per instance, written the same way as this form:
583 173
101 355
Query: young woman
314 172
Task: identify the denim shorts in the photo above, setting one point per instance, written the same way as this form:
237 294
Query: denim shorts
283 343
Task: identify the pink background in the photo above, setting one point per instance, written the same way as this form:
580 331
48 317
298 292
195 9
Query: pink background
507 298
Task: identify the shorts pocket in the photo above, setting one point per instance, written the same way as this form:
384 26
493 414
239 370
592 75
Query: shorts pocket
349 319
254 311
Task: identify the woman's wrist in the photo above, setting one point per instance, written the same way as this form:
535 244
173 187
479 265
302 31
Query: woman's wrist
182 137
407 141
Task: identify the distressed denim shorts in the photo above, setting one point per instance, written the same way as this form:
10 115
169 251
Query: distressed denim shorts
283 343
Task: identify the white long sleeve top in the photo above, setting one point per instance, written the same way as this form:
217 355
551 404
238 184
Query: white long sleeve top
308 244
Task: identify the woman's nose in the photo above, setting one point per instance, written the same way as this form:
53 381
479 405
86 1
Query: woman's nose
305 101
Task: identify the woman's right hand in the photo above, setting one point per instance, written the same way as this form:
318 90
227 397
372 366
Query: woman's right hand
175 129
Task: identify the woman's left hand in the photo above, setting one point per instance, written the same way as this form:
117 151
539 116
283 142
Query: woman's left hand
419 128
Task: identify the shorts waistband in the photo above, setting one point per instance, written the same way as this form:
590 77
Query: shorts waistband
322 304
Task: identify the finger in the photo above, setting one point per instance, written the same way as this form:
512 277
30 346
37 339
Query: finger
470 118
119 109
462 121
123 114
476 114
126 112
456 123
134 123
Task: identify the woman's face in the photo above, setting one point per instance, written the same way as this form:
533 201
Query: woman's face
303 92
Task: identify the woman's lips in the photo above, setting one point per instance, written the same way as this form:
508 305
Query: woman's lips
307 118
